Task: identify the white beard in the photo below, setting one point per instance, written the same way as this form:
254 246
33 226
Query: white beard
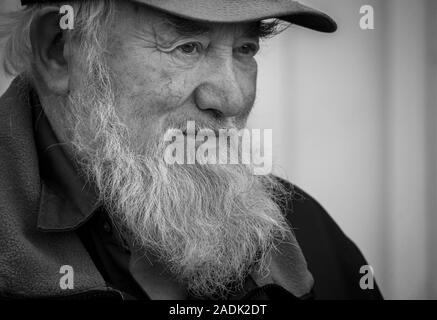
210 225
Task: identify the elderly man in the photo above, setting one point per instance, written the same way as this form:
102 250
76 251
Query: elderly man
90 209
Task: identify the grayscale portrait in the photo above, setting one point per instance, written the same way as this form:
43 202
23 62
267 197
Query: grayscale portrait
218 149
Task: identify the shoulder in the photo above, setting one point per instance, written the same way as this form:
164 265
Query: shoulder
333 259
301 209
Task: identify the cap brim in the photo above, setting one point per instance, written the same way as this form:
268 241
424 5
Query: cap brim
239 11
228 11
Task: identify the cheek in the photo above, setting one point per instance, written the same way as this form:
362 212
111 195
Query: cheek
247 79
250 87
145 95
251 74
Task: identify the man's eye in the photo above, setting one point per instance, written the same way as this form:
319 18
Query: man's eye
190 48
248 49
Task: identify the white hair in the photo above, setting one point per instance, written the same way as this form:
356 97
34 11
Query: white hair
92 19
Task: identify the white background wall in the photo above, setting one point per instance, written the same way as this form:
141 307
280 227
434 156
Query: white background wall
354 119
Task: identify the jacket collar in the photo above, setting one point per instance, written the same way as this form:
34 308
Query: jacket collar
30 260
66 200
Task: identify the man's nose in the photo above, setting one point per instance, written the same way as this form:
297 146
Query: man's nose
225 90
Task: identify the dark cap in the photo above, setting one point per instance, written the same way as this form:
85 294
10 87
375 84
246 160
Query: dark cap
238 11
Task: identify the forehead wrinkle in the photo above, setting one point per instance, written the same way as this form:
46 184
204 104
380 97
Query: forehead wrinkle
186 27
163 23
166 22
148 37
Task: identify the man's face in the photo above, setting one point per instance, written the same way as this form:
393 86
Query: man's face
210 225
167 71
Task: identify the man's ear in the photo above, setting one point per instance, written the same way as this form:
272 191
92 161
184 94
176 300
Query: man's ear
49 50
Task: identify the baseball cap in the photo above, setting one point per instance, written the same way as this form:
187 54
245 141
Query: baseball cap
227 11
